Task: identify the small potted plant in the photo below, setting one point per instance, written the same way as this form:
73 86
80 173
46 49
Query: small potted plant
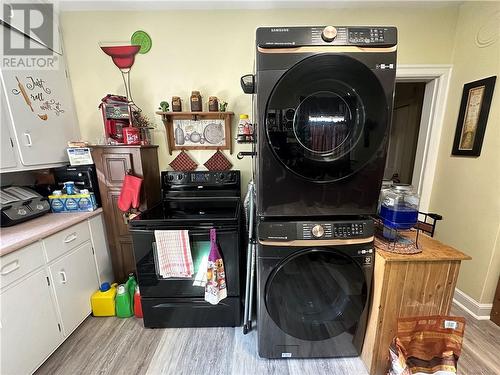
222 106
164 106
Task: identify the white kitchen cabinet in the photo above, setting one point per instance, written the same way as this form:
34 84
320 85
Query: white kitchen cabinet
38 110
45 292
8 155
29 325
74 278
101 249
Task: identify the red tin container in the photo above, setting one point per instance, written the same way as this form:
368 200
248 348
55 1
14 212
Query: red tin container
131 136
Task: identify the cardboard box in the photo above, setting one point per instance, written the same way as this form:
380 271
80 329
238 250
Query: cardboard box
72 203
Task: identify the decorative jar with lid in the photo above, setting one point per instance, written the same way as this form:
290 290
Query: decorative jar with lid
398 209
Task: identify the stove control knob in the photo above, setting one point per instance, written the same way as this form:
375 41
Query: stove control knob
180 176
329 34
318 231
222 176
170 177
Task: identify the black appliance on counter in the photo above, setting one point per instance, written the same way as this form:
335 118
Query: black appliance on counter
313 286
19 204
84 177
196 201
324 105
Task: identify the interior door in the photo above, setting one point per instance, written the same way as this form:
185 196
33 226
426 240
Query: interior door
316 294
326 117
406 116
75 279
29 326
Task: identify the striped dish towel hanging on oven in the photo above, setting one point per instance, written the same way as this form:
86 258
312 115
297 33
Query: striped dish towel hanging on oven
173 253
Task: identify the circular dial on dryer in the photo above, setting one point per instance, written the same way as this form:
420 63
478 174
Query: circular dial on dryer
329 34
318 231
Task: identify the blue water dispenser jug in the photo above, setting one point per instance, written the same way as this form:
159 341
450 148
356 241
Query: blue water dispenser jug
398 209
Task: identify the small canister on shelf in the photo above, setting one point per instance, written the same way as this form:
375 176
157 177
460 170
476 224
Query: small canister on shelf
245 129
176 104
131 136
213 104
196 104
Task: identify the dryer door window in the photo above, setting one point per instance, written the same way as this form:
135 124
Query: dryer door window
327 117
316 294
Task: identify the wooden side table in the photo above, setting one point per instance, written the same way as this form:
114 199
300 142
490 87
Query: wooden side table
408 285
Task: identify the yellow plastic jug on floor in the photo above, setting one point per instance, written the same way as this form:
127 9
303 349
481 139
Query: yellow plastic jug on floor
103 301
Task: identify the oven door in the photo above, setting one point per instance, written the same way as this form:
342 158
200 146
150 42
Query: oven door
153 285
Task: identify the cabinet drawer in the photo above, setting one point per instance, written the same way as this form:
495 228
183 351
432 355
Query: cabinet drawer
21 262
67 239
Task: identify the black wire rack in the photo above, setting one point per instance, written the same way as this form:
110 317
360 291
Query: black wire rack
405 241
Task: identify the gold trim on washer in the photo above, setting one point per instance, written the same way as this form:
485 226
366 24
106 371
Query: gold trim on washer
306 49
294 243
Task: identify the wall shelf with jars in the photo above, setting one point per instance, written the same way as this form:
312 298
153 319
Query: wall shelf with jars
198 130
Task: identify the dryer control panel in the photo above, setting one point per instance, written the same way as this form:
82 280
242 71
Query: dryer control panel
289 37
315 230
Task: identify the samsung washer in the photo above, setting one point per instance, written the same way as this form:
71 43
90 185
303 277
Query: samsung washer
313 287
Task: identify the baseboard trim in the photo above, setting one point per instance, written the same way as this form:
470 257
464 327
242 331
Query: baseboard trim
480 311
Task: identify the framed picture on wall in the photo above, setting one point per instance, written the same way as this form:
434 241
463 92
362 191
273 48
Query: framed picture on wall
473 116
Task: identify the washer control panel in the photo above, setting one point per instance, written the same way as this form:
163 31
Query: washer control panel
311 230
315 230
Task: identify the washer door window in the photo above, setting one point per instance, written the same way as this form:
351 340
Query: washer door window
316 294
326 117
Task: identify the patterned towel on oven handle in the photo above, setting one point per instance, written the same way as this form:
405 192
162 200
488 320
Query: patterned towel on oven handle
173 253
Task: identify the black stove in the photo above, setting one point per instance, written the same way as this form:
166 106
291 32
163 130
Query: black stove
196 201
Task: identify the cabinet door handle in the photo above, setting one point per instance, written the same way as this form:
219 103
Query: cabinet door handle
63 277
10 267
70 237
29 143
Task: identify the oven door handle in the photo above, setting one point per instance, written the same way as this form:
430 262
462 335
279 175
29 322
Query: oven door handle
195 232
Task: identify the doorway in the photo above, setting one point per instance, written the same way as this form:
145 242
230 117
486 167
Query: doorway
405 129
437 81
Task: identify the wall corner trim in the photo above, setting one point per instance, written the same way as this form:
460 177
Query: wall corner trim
480 311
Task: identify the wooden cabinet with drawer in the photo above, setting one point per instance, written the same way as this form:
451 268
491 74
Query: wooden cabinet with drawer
112 163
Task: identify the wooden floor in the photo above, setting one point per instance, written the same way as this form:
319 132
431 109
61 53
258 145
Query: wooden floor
123 346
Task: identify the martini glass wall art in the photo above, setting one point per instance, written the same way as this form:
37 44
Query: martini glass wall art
123 56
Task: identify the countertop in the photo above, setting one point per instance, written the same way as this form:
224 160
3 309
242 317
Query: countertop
432 250
20 235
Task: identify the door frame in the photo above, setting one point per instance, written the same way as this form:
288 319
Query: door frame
437 79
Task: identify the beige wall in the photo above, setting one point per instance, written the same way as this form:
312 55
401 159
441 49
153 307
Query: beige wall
467 190
210 50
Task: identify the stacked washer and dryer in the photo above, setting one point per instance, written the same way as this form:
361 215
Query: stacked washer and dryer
324 99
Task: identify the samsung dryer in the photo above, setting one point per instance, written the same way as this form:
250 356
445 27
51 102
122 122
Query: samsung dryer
324 104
